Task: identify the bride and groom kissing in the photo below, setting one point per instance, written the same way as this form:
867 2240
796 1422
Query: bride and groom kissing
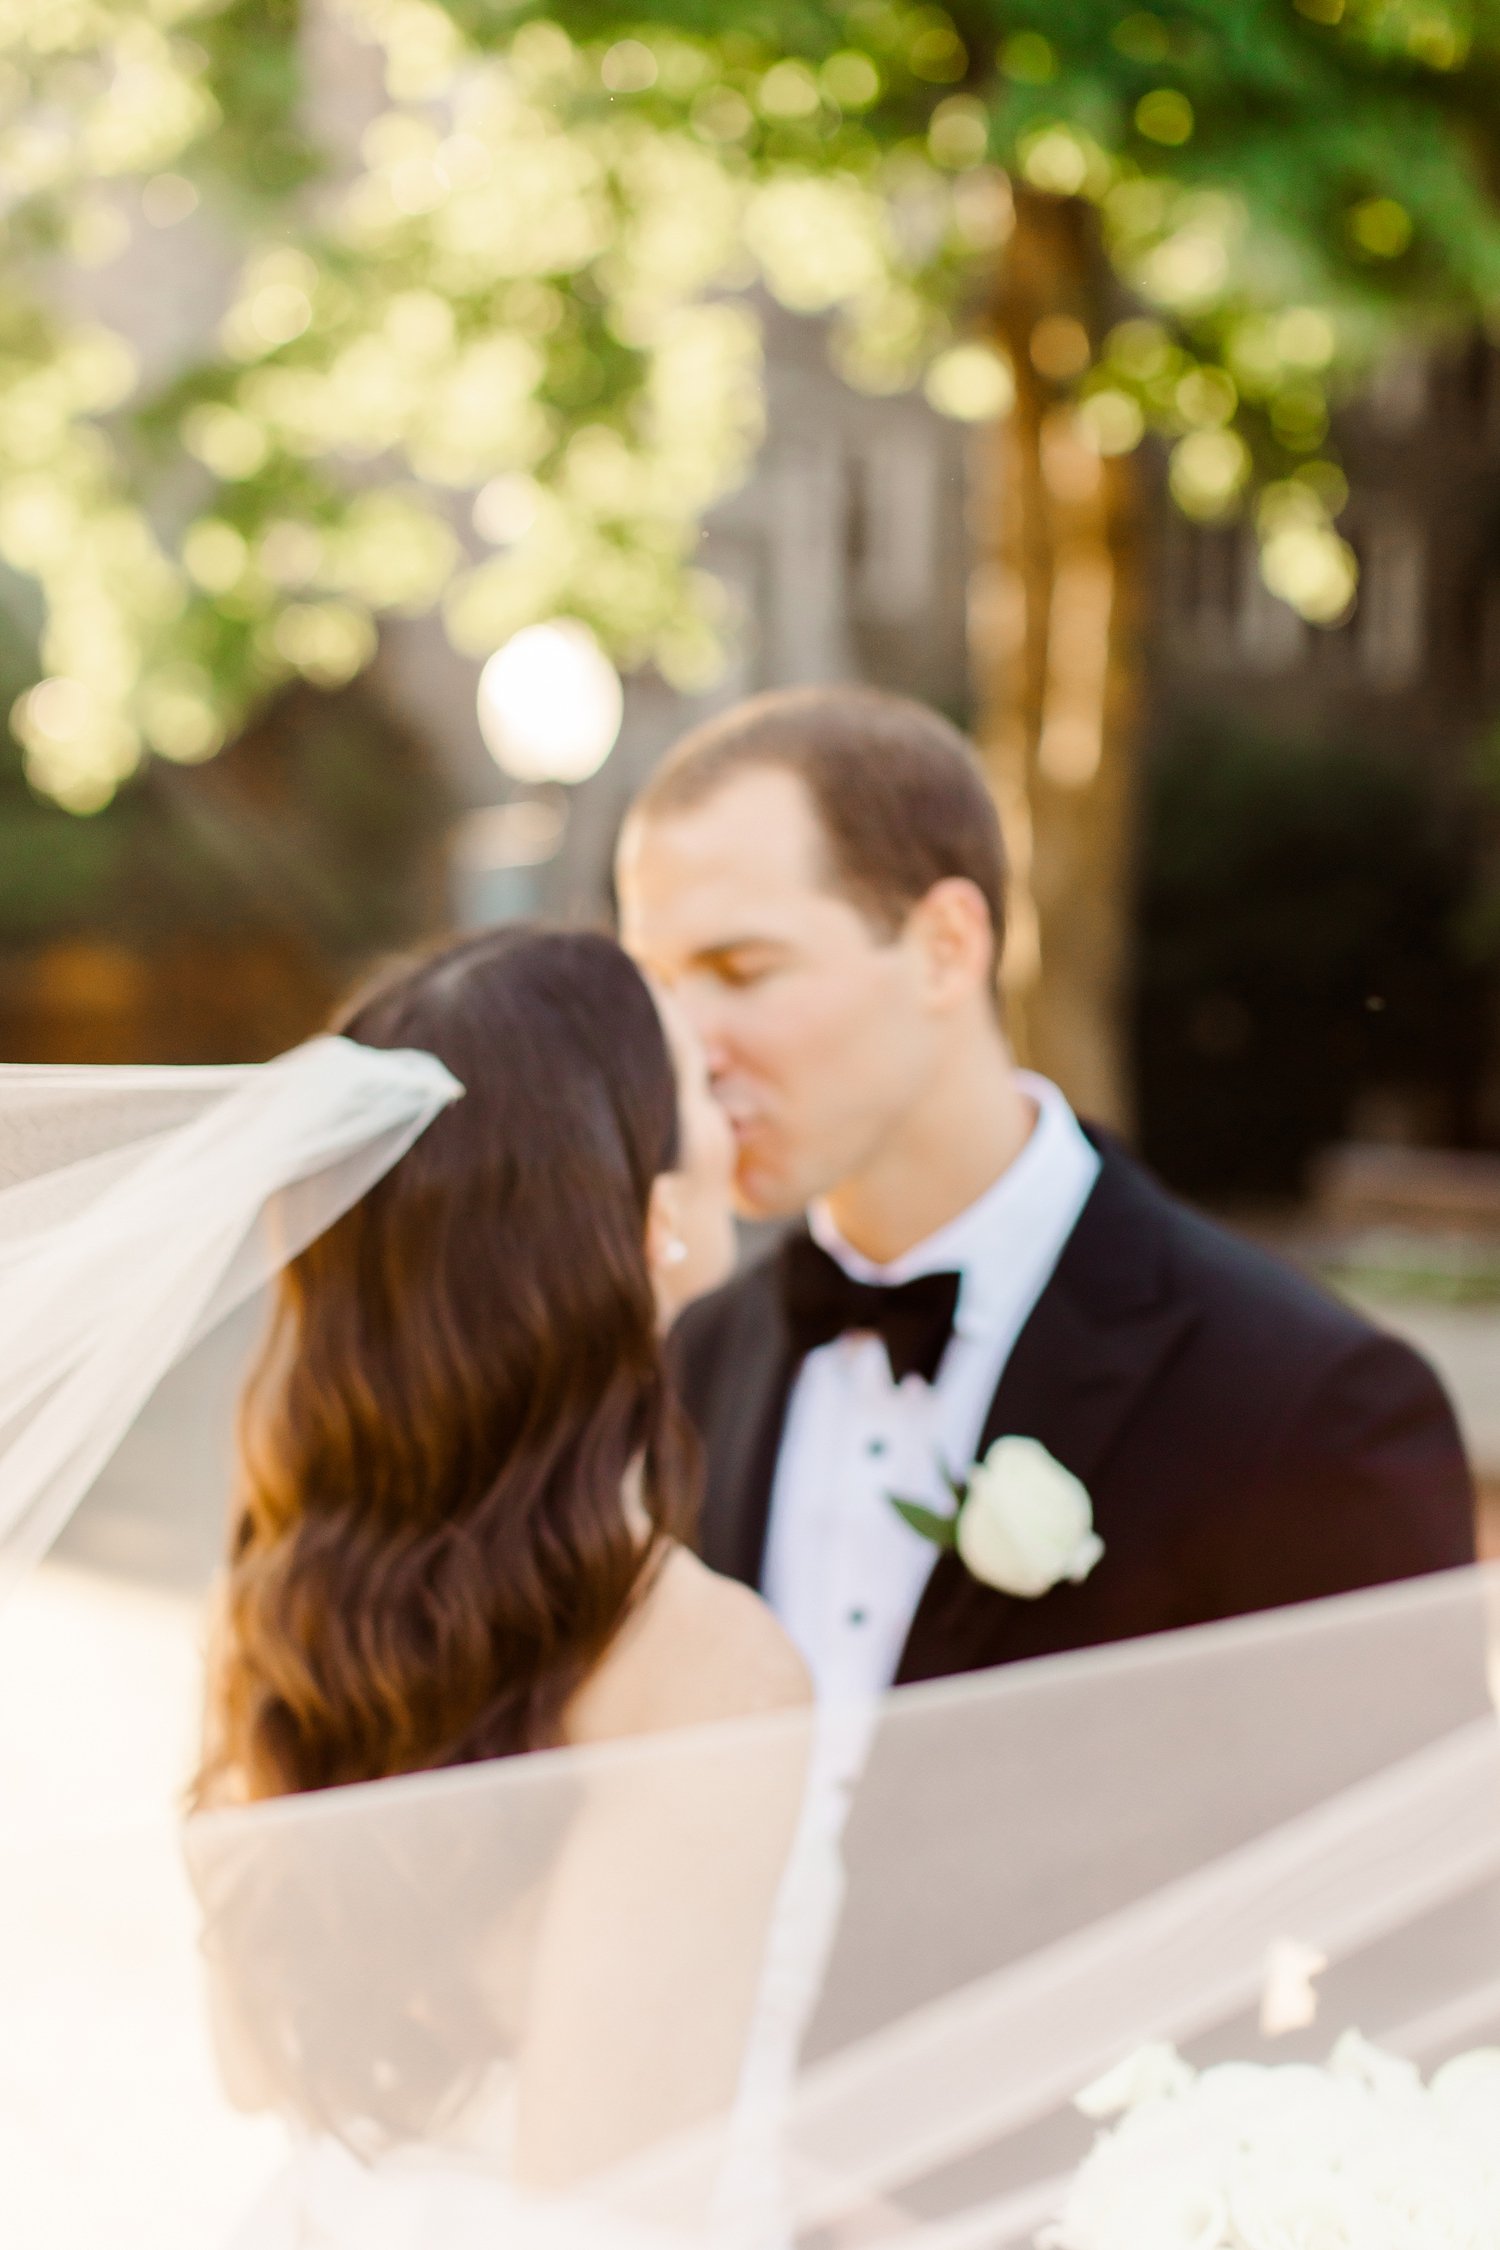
515 1393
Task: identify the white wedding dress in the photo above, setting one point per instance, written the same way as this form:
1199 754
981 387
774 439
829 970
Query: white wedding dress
441 2198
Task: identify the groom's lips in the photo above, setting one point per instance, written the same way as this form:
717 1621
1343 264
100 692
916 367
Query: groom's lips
748 1125
747 1133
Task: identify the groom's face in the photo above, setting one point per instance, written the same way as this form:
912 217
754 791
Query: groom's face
813 1020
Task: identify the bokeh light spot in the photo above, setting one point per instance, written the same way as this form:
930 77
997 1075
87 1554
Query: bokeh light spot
550 703
1165 116
972 383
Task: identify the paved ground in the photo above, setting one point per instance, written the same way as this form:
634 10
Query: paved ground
159 1513
113 2127
100 1676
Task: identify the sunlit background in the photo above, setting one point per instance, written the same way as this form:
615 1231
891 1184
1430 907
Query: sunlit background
411 417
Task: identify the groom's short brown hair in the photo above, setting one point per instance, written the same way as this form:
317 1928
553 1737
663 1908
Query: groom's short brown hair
896 790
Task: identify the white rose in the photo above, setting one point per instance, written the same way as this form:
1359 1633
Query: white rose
1357 2155
1140 2212
1355 2059
1152 2073
1467 2091
1026 1522
1303 2208
1153 2183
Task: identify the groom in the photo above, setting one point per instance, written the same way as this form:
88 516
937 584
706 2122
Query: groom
818 876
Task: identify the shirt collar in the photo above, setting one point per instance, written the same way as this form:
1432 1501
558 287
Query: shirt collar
996 1236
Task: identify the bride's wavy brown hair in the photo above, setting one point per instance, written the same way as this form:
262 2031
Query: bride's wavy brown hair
431 1548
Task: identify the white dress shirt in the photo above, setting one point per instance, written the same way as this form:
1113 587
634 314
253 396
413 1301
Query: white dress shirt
844 1572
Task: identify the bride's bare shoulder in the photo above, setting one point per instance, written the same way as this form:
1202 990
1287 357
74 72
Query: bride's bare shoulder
698 1647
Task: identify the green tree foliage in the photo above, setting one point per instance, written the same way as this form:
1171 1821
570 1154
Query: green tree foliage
501 357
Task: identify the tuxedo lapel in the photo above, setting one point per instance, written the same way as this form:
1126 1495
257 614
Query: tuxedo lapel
1098 1336
742 1430
1075 1373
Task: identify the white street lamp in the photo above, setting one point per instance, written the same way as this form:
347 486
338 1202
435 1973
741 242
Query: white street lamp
550 703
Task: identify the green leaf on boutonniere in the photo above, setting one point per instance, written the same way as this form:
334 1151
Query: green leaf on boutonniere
941 1530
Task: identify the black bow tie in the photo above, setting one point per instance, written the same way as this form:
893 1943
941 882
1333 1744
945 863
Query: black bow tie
914 1319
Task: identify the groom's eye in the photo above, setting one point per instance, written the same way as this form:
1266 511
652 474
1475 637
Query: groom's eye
740 963
740 969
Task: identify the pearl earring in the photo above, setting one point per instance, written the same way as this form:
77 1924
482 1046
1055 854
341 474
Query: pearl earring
674 1251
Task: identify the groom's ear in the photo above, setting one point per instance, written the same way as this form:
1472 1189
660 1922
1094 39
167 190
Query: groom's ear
951 926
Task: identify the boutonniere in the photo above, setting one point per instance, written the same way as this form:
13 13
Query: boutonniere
1022 1523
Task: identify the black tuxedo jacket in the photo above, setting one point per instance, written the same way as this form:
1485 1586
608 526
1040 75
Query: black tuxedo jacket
1246 1440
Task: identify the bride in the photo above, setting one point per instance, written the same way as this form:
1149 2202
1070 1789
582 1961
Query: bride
465 1492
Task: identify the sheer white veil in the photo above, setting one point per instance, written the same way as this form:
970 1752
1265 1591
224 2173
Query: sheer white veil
830 1980
137 1209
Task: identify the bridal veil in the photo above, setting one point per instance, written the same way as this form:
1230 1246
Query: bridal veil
828 1981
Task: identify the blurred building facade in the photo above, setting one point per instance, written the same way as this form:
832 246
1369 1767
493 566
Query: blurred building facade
1416 668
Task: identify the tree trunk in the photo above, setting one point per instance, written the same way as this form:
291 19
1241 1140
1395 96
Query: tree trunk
1054 649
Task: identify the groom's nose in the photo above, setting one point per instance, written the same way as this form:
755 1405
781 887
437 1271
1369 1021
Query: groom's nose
700 1002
